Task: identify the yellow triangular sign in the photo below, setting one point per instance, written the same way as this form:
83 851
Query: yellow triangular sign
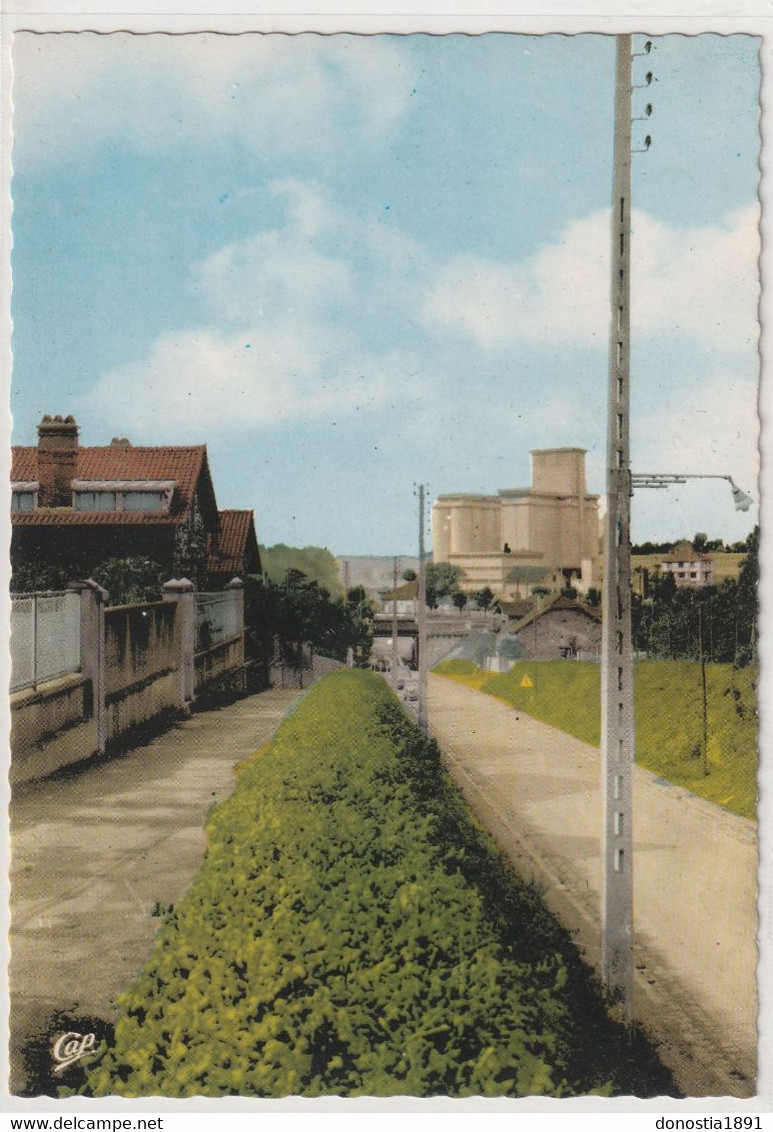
526 682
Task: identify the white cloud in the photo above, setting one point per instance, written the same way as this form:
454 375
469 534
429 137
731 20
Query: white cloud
290 337
700 282
322 97
218 382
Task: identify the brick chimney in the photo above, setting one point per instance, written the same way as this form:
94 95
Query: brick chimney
57 460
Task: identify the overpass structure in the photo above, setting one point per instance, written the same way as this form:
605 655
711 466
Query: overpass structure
445 631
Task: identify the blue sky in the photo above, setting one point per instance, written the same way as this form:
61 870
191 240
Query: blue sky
351 263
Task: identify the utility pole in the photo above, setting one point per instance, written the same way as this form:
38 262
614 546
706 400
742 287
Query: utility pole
346 580
617 716
395 654
704 704
422 621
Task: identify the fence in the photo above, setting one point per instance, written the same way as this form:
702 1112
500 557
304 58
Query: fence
218 618
45 637
123 668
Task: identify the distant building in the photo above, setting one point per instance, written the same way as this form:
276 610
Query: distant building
406 597
82 505
545 535
687 566
562 629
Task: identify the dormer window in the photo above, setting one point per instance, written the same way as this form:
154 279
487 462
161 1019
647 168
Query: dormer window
94 501
123 495
24 496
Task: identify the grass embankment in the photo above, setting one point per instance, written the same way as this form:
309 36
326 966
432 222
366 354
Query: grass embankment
352 931
668 705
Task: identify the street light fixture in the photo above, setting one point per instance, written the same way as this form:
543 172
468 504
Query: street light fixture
741 500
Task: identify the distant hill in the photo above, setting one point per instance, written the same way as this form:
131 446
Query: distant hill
316 562
374 573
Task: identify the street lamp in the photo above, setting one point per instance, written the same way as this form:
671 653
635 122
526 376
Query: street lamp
741 500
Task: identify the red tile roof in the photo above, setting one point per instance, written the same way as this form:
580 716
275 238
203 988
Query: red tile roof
184 465
236 527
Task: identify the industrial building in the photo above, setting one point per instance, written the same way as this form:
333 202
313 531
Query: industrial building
546 535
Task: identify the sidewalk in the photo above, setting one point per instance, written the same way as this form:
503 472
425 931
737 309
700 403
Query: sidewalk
537 790
94 850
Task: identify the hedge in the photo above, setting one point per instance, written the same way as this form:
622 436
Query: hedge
352 931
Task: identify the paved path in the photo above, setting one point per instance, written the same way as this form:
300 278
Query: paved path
538 791
96 849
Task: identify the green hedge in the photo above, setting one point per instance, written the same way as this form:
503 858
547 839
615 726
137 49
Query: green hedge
352 931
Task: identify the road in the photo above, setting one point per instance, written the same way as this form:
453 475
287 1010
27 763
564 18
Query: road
94 850
537 790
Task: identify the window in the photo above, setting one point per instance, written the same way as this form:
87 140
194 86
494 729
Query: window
23 500
123 495
95 501
143 501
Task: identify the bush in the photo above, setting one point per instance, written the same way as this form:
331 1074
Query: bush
352 932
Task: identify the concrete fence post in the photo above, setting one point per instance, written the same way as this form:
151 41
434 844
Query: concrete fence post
93 602
180 590
236 587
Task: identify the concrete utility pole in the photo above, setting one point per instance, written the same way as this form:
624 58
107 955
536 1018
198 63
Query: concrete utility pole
395 653
617 716
422 621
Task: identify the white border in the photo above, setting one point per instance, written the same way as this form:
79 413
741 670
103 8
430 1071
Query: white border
438 17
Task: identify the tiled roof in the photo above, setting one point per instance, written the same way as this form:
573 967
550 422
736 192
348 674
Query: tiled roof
516 608
557 604
117 462
235 530
64 517
407 592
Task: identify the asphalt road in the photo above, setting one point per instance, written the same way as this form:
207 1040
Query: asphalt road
538 791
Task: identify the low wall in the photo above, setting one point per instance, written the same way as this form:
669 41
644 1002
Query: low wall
220 668
312 668
52 727
142 653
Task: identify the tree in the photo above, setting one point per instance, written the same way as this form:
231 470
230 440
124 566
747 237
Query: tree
460 600
748 578
409 575
442 581
484 597
300 612
665 624
700 538
128 581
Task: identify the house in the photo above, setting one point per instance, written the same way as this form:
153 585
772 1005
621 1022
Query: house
562 629
687 566
407 598
78 506
234 553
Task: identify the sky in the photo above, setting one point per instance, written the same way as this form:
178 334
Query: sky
349 264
